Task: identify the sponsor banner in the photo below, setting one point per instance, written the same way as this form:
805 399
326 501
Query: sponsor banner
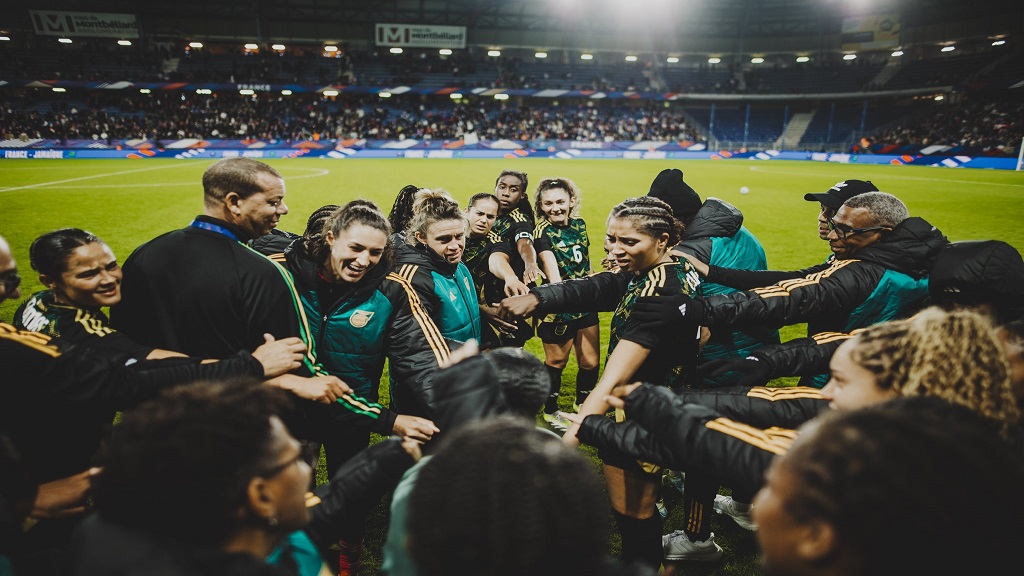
93 24
420 36
876 31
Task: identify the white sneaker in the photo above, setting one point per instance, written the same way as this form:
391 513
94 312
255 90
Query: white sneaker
557 421
726 505
678 546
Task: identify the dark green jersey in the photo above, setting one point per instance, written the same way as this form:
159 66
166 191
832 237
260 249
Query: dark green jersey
571 247
673 356
475 257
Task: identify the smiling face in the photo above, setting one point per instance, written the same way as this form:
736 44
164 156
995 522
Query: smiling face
259 213
631 249
91 278
354 251
557 204
8 270
851 385
447 238
509 191
481 217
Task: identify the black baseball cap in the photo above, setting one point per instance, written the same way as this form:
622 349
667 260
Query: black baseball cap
841 192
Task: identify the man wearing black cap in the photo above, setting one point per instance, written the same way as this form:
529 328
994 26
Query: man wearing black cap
882 259
714 234
834 197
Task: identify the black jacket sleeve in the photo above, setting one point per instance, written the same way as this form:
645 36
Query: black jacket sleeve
682 436
760 406
833 293
803 356
598 293
355 489
747 279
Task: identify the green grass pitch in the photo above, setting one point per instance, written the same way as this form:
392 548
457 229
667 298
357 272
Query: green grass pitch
128 202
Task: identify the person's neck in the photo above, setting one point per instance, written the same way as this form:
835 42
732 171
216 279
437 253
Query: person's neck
257 541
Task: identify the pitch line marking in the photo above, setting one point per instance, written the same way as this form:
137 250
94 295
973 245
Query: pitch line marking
316 173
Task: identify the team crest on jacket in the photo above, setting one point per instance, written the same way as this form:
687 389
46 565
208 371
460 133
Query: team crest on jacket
360 318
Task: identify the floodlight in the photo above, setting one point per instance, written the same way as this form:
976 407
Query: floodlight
850 57
277 46
897 54
384 94
445 52
630 58
757 60
494 52
948 48
330 92
455 95
251 46
8 39
671 59
396 50
195 44
996 43
124 42
714 60
144 90
59 90
286 92
540 54
803 59
330 48
940 97
501 96
246 92
64 40
586 56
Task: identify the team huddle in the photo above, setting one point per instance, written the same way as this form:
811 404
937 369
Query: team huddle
445 296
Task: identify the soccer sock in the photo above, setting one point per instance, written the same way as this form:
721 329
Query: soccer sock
551 406
585 382
349 557
641 539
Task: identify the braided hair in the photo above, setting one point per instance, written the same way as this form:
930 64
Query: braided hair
431 206
50 252
401 210
650 215
955 355
502 498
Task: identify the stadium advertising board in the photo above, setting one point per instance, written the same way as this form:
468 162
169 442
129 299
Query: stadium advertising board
105 25
417 36
877 31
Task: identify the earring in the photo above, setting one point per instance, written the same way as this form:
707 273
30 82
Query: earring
272 521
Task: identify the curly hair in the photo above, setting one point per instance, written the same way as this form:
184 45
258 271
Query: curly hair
918 463
179 465
650 215
955 355
431 206
502 498
558 183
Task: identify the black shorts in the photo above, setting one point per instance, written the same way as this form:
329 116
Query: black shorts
562 332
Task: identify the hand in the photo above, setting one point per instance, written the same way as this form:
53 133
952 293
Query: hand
64 497
531 274
279 356
518 307
756 371
324 389
414 428
513 287
617 399
667 311
699 266
412 448
490 315
468 349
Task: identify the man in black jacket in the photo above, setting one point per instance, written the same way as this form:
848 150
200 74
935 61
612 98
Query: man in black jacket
882 257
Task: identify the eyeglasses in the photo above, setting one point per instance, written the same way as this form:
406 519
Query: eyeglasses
305 455
842 230
10 280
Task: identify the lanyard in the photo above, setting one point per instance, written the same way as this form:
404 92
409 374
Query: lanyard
214 228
